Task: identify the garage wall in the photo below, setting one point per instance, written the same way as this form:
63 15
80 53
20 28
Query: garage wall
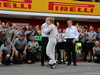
33 22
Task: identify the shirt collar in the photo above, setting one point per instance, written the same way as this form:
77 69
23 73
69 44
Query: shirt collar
70 27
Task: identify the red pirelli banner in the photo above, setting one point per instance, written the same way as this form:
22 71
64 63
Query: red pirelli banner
52 6
71 7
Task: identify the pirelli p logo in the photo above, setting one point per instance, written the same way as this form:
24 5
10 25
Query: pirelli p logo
22 4
71 7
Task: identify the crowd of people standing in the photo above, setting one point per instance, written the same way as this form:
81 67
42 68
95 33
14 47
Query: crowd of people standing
17 45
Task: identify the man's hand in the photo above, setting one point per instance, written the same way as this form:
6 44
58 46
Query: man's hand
1 30
7 30
95 49
80 33
99 36
11 58
56 38
16 51
84 33
0 63
98 48
37 47
24 52
33 46
57 24
87 38
63 40
42 27
74 41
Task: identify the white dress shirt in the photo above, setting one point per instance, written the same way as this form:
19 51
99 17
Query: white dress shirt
44 34
71 32
63 35
59 37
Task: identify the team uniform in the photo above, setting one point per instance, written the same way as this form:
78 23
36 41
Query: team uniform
84 44
90 43
32 34
7 50
9 34
20 32
31 54
1 41
27 33
0 27
97 52
35 32
97 37
2 37
20 45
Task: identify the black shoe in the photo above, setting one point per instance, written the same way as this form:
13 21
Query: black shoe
84 60
54 65
42 65
49 65
17 61
89 60
68 64
59 62
38 60
98 61
95 61
75 64
6 62
67 59
24 61
20 62
63 62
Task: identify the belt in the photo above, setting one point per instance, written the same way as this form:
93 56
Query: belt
69 38
44 37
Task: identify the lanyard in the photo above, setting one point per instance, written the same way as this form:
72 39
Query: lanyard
69 29
69 32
